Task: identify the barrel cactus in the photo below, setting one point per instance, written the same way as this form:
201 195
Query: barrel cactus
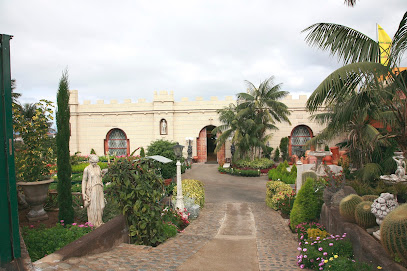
393 232
369 197
364 216
348 205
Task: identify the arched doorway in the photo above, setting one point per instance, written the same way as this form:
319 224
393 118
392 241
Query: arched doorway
116 143
299 136
206 144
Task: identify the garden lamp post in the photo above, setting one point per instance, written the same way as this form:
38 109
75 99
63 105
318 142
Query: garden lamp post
180 198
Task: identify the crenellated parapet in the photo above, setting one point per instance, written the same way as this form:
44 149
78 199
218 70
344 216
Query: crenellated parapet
163 101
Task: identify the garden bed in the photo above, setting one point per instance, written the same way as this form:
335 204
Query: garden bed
366 247
101 239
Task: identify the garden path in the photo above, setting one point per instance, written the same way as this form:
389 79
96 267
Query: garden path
235 231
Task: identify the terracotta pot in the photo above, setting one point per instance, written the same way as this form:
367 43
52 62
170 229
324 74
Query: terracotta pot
35 195
327 159
335 153
167 181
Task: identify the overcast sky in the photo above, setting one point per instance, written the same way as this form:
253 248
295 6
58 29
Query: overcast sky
129 49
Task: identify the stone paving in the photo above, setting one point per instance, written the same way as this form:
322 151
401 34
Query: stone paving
276 245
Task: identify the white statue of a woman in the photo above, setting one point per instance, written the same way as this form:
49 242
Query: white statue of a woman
92 191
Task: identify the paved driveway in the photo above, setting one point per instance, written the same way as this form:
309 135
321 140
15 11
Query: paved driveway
235 231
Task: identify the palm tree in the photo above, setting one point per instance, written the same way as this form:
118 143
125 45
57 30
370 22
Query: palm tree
262 105
28 110
256 112
351 3
362 87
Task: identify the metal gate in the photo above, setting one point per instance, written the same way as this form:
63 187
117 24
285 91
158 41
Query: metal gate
9 229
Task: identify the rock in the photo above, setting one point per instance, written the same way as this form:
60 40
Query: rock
338 196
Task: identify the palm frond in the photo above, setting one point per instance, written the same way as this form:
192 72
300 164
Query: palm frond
348 44
343 82
399 44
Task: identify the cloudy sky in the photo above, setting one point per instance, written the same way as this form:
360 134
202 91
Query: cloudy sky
129 49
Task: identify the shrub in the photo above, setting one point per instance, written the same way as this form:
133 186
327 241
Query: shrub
137 189
240 172
164 148
41 242
34 157
257 163
277 154
307 204
66 211
361 188
193 189
78 168
282 174
348 205
284 148
170 230
276 191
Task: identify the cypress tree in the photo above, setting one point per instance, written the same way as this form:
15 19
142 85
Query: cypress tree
66 211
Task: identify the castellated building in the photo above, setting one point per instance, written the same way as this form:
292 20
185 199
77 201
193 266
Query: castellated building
120 128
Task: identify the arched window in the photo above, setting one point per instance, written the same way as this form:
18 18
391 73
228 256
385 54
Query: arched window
299 136
116 143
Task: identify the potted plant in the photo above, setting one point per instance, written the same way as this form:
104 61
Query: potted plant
33 156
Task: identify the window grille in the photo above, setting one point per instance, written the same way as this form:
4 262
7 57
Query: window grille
117 143
300 136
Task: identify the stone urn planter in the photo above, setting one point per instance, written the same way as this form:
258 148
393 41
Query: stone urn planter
35 195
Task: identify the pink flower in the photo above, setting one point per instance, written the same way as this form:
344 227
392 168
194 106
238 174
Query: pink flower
73 224
31 226
304 249
302 266
81 226
320 249
325 253
331 244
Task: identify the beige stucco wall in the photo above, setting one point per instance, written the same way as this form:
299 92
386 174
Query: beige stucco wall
91 121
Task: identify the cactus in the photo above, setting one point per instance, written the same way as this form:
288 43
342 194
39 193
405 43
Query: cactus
363 216
393 232
369 197
348 205
308 174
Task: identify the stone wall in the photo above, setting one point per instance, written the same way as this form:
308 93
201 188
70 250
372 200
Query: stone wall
365 247
90 122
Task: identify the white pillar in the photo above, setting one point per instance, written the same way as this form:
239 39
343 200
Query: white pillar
300 169
180 197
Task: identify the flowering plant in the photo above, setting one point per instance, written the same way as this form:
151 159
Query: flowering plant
33 157
175 217
285 202
334 182
333 252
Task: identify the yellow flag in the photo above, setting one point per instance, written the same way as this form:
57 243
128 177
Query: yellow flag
384 43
